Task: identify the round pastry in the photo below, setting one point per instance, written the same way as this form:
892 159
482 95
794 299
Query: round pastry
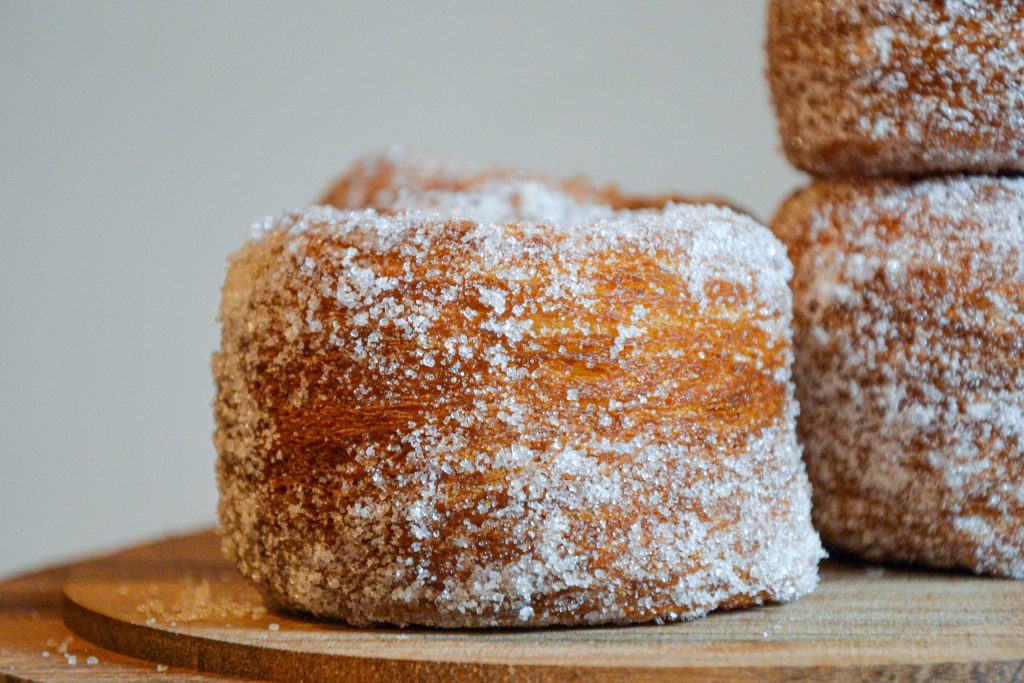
402 178
895 87
909 319
424 419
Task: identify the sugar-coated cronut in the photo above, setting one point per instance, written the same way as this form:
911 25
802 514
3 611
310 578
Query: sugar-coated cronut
899 87
398 177
426 419
909 340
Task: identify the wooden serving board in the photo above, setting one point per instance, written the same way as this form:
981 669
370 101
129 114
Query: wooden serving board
178 603
36 645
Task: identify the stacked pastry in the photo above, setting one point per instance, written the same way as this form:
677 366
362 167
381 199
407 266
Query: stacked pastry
463 397
908 252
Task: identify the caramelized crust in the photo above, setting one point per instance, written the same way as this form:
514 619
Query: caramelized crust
899 87
431 420
909 333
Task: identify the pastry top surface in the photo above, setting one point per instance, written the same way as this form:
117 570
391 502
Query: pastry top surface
399 178
974 224
503 223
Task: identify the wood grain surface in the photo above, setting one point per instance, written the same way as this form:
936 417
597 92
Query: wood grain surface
178 602
177 605
35 644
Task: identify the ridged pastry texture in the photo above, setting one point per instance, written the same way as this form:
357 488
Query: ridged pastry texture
899 87
909 335
427 419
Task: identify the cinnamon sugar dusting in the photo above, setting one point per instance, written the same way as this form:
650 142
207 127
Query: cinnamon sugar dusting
892 87
909 308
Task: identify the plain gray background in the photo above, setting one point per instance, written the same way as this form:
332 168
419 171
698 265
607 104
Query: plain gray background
139 141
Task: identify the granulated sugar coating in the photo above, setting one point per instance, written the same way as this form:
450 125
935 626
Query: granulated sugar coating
398 177
891 87
428 419
909 312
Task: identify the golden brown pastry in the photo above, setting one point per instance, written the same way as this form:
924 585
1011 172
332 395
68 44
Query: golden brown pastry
424 418
400 177
909 334
895 87
398 174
